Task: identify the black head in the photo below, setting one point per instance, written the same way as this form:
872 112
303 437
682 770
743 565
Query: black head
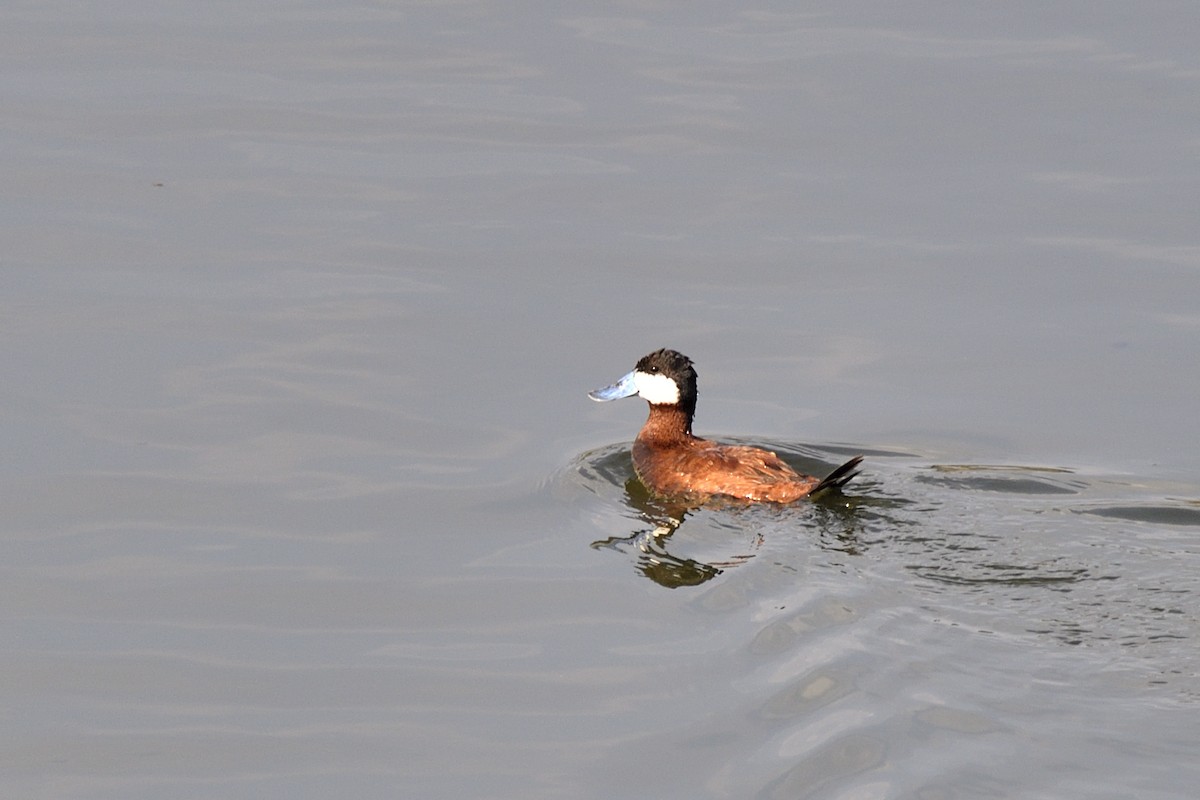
677 367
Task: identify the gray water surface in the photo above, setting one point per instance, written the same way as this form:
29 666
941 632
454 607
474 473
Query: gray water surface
304 496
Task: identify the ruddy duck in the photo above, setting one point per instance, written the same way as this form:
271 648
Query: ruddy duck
672 462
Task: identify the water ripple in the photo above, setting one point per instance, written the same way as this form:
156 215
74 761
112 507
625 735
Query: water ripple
1015 550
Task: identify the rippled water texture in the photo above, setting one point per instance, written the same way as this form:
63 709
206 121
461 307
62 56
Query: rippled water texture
901 630
1019 549
302 495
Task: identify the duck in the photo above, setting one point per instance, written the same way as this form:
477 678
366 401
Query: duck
673 462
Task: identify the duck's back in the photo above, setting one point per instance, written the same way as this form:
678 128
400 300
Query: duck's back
701 468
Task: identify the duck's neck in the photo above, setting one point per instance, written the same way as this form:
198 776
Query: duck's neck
666 425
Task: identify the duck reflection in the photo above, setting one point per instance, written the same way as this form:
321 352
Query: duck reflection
662 518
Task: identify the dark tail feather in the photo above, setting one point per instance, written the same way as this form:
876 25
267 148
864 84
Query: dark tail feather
839 477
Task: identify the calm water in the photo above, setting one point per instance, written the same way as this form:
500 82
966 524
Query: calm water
304 497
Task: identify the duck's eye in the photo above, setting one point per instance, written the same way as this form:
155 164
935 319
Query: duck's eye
653 370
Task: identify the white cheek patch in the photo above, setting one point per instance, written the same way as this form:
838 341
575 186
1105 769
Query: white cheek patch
656 389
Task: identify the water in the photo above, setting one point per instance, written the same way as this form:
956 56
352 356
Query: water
304 496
